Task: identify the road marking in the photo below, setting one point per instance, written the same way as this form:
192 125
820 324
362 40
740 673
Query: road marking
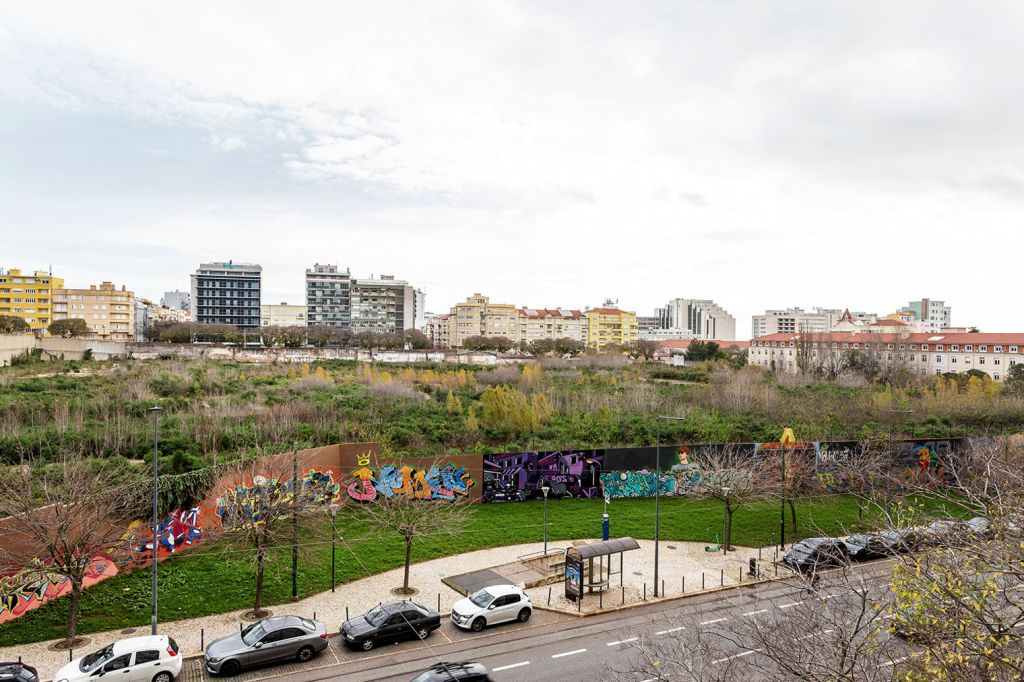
716 620
507 667
623 641
754 613
791 604
568 653
665 632
740 655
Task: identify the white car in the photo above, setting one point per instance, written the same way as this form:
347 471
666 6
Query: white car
491 605
153 658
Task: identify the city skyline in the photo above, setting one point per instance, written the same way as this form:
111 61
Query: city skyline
546 156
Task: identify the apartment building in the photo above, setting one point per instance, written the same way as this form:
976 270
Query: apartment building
701 318
29 296
228 293
328 296
108 312
384 306
534 324
282 315
920 353
610 326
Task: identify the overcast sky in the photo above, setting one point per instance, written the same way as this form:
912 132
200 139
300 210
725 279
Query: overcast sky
762 154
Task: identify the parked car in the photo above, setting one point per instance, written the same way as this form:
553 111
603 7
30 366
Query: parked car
492 605
463 672
274 639
153 658
813 554
18 672
390 623
864 546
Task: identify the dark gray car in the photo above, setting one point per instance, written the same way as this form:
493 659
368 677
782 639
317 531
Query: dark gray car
274 639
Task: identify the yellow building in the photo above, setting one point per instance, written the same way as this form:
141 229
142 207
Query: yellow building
29 297
610 326
109 312
282 315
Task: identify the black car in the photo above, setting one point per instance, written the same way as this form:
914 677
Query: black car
390 623
18 672
463 672
814 554
866 546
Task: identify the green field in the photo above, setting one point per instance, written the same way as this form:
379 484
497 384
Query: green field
206 581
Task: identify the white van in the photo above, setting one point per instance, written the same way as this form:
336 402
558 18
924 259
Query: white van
153 658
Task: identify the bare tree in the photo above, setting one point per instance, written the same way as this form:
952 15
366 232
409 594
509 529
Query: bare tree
265 506
65 520
413 511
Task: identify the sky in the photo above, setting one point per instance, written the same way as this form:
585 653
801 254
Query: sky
760 154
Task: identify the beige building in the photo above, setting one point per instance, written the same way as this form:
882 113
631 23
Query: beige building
109 312
282 315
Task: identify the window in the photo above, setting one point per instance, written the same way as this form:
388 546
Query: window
146 656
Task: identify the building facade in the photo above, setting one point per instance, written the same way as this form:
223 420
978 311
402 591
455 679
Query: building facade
328 296
282 315
703 319
606 326
920 354
108 312
384 306
228 293
29 296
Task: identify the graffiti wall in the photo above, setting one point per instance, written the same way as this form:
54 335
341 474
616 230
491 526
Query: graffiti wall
35 585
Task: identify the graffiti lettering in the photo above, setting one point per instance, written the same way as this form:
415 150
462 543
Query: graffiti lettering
436 483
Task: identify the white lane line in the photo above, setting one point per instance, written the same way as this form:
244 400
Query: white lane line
790 604
716 620
665 632
740 655
623 641
507 667
754 613
568 653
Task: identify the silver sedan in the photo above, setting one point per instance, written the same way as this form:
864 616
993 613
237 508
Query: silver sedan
273 639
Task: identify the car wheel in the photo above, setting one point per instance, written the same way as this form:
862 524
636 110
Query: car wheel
366 644
422 633
524 615
478 625
163 677
305 653
230 668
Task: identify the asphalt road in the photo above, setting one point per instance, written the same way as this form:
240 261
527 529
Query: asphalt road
553 646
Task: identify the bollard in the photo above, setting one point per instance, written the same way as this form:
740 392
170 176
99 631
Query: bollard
645 591
702 580
202 639
549 596
722 576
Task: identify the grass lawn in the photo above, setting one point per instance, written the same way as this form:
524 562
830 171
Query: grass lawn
206 581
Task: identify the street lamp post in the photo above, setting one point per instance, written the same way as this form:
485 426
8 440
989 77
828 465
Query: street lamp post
657 496
545 489
155 414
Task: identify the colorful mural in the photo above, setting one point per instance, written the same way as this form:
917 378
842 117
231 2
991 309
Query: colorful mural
35 585
445 483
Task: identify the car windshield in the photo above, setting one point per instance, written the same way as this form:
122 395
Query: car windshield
97 658
376 616
482 598
253 634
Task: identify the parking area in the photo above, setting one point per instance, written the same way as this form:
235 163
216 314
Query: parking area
337 653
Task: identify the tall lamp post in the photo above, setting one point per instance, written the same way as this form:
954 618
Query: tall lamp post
155 414
545 489
657 496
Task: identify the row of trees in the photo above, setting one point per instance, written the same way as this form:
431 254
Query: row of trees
71 328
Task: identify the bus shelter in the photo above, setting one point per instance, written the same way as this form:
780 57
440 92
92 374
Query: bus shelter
581 571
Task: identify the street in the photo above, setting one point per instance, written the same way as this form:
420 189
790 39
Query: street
556 645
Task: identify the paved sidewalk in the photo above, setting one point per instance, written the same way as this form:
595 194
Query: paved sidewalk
677 559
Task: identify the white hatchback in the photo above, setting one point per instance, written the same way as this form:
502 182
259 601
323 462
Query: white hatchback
153 658
491 605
